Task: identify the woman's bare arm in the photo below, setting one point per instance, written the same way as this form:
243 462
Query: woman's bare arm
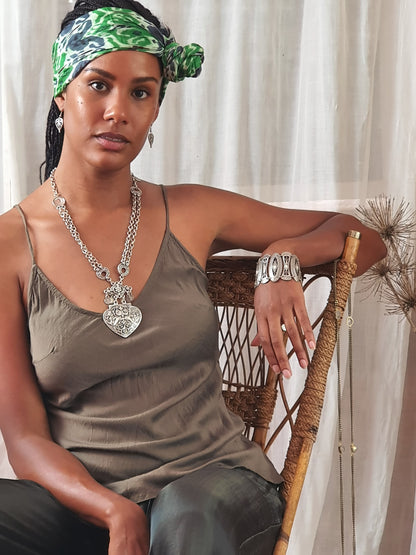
222 220
32 453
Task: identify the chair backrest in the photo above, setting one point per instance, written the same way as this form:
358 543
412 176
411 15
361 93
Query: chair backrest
251 388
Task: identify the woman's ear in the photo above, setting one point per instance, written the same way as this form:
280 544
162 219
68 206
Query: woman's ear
60 101
156 113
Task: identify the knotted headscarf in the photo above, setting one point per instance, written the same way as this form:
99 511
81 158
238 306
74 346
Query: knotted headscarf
111 29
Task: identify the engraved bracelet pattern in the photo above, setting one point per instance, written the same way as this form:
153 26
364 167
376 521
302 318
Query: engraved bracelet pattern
272 267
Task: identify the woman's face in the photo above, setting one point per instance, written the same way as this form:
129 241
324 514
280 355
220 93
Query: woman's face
109 107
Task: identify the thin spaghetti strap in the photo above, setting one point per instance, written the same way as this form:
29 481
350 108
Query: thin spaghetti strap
165 200
29 242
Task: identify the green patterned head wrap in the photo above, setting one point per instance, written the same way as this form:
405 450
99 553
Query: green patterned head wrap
111 29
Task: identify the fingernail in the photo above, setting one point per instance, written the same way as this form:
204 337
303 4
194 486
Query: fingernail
276 369
303 363
312 345
287 373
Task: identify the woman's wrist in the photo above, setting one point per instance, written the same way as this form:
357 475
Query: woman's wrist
283 245
276 266
116 509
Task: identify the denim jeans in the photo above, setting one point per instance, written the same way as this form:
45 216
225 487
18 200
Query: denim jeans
212 511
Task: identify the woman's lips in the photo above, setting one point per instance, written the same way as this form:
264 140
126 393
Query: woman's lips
112 141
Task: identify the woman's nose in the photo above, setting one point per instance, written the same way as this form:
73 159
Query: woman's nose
116 109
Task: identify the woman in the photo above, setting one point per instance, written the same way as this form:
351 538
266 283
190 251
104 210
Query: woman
111 401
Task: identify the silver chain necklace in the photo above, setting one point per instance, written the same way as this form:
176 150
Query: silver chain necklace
121 316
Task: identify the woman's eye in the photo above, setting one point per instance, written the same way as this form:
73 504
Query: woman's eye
140 93
98 86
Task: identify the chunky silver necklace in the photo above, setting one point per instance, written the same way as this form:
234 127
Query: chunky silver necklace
121 317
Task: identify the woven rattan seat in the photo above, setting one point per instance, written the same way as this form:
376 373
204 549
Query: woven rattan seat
251 389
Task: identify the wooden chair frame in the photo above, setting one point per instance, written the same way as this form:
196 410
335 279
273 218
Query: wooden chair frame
250 387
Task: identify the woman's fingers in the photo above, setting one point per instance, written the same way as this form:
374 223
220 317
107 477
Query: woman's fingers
299 330
272 342
302 318
278 347
296 340
282 309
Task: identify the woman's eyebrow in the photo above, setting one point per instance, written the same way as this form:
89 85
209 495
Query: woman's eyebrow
109 75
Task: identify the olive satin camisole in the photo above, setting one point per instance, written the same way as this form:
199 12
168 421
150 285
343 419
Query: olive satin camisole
142 411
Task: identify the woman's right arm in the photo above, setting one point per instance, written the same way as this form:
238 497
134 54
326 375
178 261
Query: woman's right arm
32 453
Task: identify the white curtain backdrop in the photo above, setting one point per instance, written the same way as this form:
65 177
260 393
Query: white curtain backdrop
306 102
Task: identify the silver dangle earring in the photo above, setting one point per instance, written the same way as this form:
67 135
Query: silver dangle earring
150 137
59 122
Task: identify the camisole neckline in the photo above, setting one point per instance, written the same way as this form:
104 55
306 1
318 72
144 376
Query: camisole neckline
168 235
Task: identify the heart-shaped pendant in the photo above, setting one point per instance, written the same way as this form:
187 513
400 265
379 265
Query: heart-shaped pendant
123 319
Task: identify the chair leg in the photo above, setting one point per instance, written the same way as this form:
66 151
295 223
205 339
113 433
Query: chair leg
293 498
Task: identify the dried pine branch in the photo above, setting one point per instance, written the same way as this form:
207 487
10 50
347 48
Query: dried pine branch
394 225
374 280
393 279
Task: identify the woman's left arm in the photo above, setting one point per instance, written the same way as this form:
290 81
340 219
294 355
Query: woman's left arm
209 221
283 302
315 237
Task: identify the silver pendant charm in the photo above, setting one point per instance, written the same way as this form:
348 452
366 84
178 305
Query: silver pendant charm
117 292
150 137
122 319
59 122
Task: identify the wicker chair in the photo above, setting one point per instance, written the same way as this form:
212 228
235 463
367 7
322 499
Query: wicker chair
250 388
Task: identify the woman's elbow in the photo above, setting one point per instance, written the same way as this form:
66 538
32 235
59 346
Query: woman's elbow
372 250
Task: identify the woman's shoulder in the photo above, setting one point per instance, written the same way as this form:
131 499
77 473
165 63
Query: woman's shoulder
195 189
13 257
12 216
195 202
11 227
14 244
192 193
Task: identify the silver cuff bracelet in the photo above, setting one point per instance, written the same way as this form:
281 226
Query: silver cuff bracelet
272 267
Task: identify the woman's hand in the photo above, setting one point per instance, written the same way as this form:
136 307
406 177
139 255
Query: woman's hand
129 531
279 304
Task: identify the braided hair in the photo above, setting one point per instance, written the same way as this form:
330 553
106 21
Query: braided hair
54 139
